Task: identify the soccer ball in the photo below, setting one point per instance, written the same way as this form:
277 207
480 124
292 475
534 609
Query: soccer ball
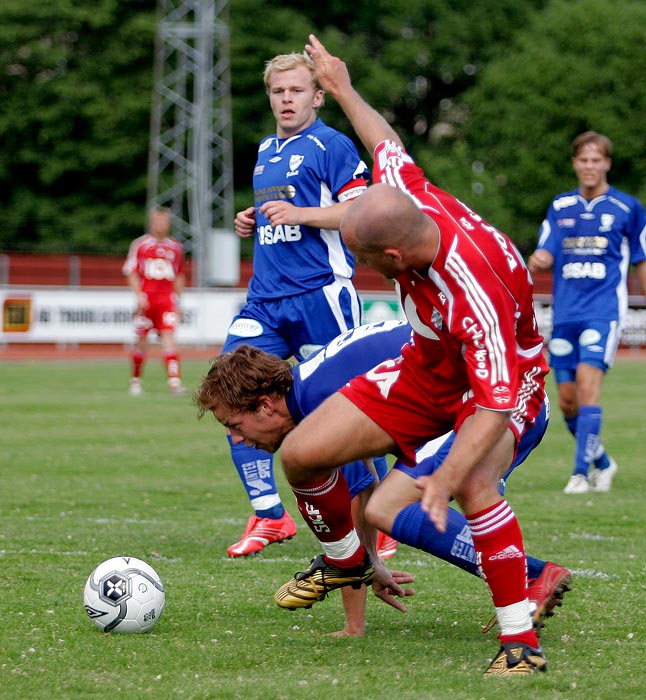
124 594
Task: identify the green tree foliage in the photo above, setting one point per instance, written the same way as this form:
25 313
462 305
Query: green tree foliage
411 59
577 66
487 96
75 86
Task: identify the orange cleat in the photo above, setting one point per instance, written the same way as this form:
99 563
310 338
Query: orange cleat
261 532
386 545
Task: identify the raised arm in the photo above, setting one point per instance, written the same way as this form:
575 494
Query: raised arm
334 78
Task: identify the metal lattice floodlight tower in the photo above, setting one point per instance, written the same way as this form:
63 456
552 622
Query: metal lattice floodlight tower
190 160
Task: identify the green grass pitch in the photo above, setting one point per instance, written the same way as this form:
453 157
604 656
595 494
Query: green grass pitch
88 472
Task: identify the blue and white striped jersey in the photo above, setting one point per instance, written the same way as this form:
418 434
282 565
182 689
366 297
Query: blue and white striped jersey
317 167
593 244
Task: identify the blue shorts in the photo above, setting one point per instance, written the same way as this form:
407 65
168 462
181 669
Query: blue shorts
588 342
359 478
298 325
431 456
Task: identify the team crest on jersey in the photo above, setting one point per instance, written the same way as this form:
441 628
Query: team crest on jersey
436 319
258 170
567 223
607 220
295 162
501 394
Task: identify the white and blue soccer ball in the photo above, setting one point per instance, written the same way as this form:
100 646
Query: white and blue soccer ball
124 594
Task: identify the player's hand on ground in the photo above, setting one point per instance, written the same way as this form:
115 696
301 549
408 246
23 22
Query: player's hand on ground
332 73
245 222
280 212
387 585
435 499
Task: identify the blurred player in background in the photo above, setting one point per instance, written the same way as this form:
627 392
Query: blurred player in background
589 236
155 271
301 293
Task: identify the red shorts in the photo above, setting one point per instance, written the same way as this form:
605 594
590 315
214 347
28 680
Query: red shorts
412 405
160 315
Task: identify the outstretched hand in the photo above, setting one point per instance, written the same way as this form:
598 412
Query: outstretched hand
334 78
387 584
332 73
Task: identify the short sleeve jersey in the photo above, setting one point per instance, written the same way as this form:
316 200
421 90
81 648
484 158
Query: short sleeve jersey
474 303
593 242
354 352
157 262
317 167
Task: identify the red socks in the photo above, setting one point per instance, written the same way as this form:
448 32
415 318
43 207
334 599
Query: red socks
498 541
137 358
325 507
171 362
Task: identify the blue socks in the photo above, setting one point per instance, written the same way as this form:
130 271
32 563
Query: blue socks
455 546
256 470
586 428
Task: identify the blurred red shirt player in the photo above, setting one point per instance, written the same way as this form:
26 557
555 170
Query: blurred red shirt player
155 271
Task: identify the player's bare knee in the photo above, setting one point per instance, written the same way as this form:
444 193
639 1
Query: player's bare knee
568 408
379 512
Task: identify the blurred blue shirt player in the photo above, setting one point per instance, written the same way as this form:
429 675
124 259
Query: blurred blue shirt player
590 237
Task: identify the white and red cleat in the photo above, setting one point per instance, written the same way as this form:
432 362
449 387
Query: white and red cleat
261 532
546 592
386 545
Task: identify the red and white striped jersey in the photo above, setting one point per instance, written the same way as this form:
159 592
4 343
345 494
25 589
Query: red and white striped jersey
476 300
157 262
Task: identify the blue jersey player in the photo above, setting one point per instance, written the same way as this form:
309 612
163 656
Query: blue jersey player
301 293
261 398
590 237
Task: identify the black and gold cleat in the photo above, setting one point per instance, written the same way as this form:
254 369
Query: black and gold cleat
311 586
516 658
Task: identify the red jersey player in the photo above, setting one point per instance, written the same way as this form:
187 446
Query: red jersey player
155 271
467 293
